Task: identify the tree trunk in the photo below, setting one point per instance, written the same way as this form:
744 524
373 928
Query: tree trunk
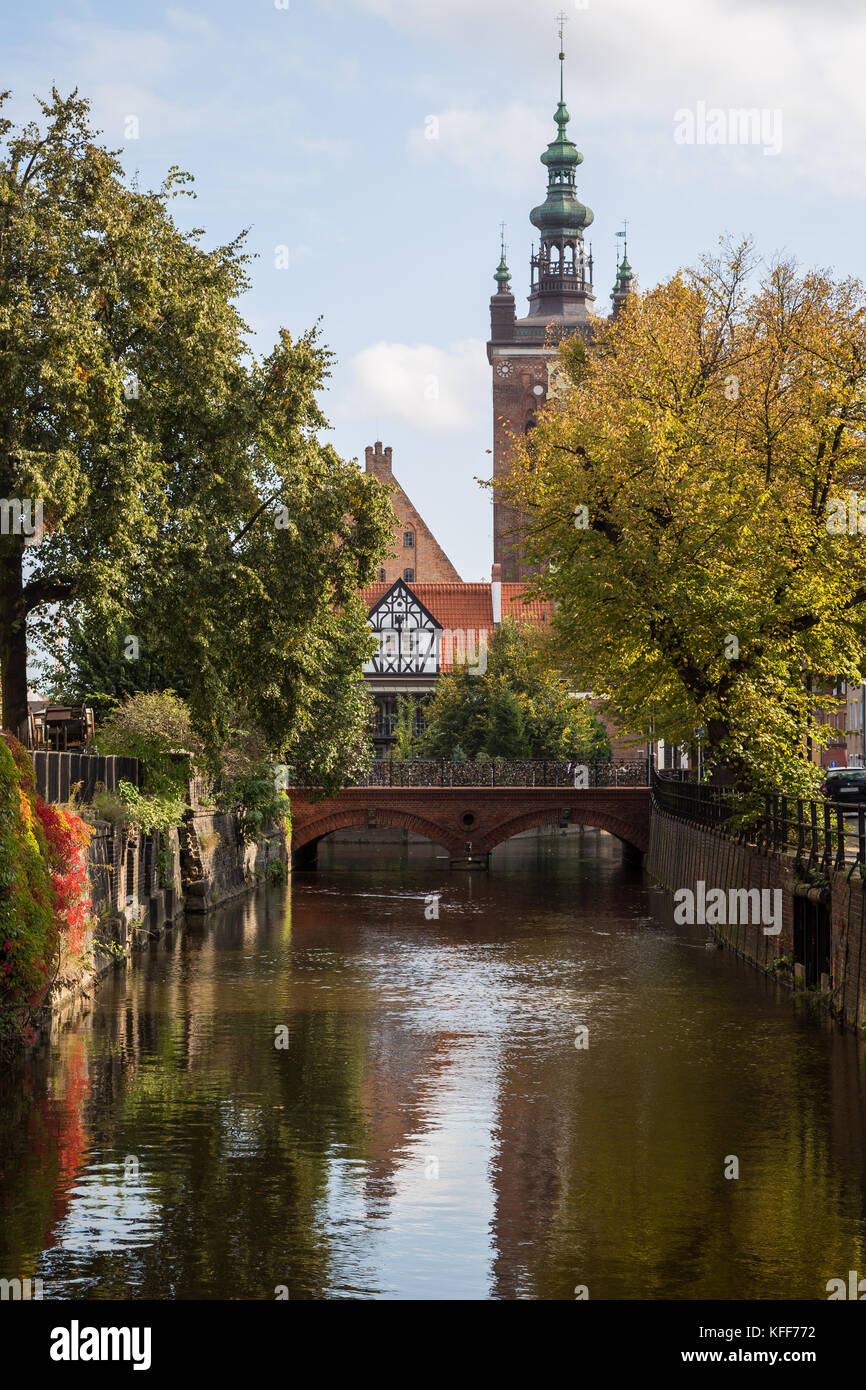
13 645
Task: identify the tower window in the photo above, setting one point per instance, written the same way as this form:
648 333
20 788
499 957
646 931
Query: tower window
408 538
409 574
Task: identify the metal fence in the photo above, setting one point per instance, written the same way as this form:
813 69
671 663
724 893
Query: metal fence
58 773
504 772
822 835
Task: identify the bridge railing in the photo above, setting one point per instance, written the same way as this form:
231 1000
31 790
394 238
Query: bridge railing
504 772
821 834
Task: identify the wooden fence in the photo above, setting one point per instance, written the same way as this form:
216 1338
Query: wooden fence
58 773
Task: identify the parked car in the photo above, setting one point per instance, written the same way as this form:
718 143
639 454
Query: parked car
845 784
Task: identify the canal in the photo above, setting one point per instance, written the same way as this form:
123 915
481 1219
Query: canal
332 1092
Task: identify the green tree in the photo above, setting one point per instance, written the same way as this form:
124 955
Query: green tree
685 500
506 723
187 499
519 707
84 664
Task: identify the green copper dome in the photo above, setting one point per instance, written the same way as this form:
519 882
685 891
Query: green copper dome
624 275
503 274
561 212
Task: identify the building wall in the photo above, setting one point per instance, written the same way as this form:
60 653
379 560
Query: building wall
516 403
426 557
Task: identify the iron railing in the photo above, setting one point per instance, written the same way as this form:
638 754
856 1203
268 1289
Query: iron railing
821 835
503 772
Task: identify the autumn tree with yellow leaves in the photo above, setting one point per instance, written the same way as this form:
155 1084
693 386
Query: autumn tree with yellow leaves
683 503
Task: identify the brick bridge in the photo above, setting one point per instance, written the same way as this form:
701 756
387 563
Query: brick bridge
468 821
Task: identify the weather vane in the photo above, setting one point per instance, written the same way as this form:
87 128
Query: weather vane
562 20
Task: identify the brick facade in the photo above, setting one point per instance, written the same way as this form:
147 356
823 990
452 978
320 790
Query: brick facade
439 813
425 557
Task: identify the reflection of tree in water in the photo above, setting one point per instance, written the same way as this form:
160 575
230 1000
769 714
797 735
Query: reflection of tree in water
608 1169
234 1139
43 1143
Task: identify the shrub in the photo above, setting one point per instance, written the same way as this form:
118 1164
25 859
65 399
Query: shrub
258 803
43 898
155 728
157 812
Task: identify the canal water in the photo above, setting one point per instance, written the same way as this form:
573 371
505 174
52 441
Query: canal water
331 1092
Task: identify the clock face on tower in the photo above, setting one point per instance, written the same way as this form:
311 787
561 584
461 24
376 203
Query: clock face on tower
558 380
504 368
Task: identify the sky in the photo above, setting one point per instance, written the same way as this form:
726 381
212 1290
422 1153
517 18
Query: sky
371 148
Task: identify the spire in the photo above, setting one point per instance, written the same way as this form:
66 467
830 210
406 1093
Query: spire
624 273
503 274
561 210
561 274
502 312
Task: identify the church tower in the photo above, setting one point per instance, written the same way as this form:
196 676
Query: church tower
523 352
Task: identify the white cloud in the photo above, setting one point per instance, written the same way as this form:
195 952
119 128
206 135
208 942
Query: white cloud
632 63
434 389
502 144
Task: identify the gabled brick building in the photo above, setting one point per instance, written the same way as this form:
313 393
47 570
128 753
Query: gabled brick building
416 553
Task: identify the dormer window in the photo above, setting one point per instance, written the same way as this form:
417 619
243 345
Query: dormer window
409 539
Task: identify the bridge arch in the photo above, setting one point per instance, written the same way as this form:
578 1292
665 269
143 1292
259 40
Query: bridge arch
552 815
386 818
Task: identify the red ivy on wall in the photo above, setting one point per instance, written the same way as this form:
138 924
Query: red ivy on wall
67 838
44 902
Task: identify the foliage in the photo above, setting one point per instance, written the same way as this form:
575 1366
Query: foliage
156 728
43 903
709 435
257 801
518 708
159 812
67 837
188 501
82 664
406 742
107 806
277 872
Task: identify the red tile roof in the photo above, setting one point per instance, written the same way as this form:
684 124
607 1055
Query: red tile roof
537 611
469 607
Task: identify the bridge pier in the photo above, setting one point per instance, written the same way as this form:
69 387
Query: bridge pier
475 861
307 856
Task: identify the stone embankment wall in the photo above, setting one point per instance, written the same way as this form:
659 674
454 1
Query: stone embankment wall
216 861
137 893
822 943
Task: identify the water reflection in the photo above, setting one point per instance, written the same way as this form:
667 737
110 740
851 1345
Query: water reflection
431 1130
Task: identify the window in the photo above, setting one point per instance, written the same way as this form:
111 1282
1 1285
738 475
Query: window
382 576
408 539
409 574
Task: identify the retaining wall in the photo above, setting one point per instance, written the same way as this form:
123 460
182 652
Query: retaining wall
681 854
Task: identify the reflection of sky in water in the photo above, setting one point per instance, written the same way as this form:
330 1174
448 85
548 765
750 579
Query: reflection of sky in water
397 1234
107 1211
